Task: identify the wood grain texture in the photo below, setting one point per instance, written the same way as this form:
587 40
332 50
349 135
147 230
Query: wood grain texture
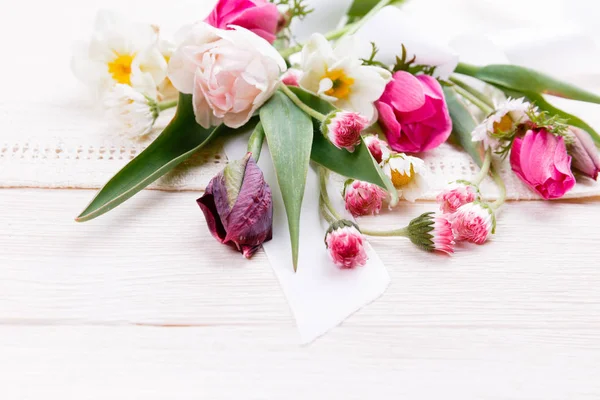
90 310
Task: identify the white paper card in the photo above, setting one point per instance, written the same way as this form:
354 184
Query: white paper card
320 295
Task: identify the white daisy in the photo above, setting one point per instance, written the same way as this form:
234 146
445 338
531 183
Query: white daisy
120 52
506 115
134 112
408 174
338 76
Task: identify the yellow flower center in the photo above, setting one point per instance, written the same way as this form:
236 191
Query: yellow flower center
400 179
120 68
341 84
505 124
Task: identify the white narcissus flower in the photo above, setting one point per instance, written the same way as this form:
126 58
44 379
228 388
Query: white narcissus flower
134 112
120 52
230 73
506 116
339 76
408 174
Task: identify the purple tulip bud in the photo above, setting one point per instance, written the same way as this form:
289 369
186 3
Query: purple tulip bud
585 153
238 207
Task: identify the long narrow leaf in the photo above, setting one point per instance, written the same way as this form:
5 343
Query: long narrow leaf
463 123
289 133
527 80
178 142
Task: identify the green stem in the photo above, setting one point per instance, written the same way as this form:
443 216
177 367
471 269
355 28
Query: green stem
483 98
467 69
165 105
255 141
292 96
398 232
485 168
502 198
333 35
476 102
325 211
323 173
368 16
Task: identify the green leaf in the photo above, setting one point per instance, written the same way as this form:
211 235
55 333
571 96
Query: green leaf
357 165
360 8
289 133
463 123
527 80
179 140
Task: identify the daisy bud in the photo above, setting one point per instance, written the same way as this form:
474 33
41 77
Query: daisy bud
238 207
432 232
291 77
379 148
346 245
343 128
363 198
473 222
584 152
455 196
135 112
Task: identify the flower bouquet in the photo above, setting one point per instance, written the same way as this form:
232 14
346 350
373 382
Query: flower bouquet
352 101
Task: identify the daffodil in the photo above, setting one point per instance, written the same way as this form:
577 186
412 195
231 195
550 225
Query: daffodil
120 52
337 74
408 174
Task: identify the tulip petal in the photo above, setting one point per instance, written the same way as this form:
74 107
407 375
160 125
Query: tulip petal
213 220
404 93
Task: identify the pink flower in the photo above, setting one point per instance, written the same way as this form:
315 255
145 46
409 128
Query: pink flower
455 196
413 113
343 128
346 245
291 77
540 160
378 148
363 198
258 16
230 74
585 153
473 222
432 232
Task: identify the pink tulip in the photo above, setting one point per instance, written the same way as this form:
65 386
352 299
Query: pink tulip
540 160
363 198
413 113
585 153
345 244
258 16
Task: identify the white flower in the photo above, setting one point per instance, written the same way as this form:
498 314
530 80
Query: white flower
504 118
338 76
133 111
408 174
230 73
120 52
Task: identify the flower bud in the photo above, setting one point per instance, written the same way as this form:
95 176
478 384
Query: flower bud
135 112
473 222
238 207
346 245
343 128
455 196
291 77
584 152
378 148
363 198
432 232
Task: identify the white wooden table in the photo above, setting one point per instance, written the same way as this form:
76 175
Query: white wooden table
142 303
